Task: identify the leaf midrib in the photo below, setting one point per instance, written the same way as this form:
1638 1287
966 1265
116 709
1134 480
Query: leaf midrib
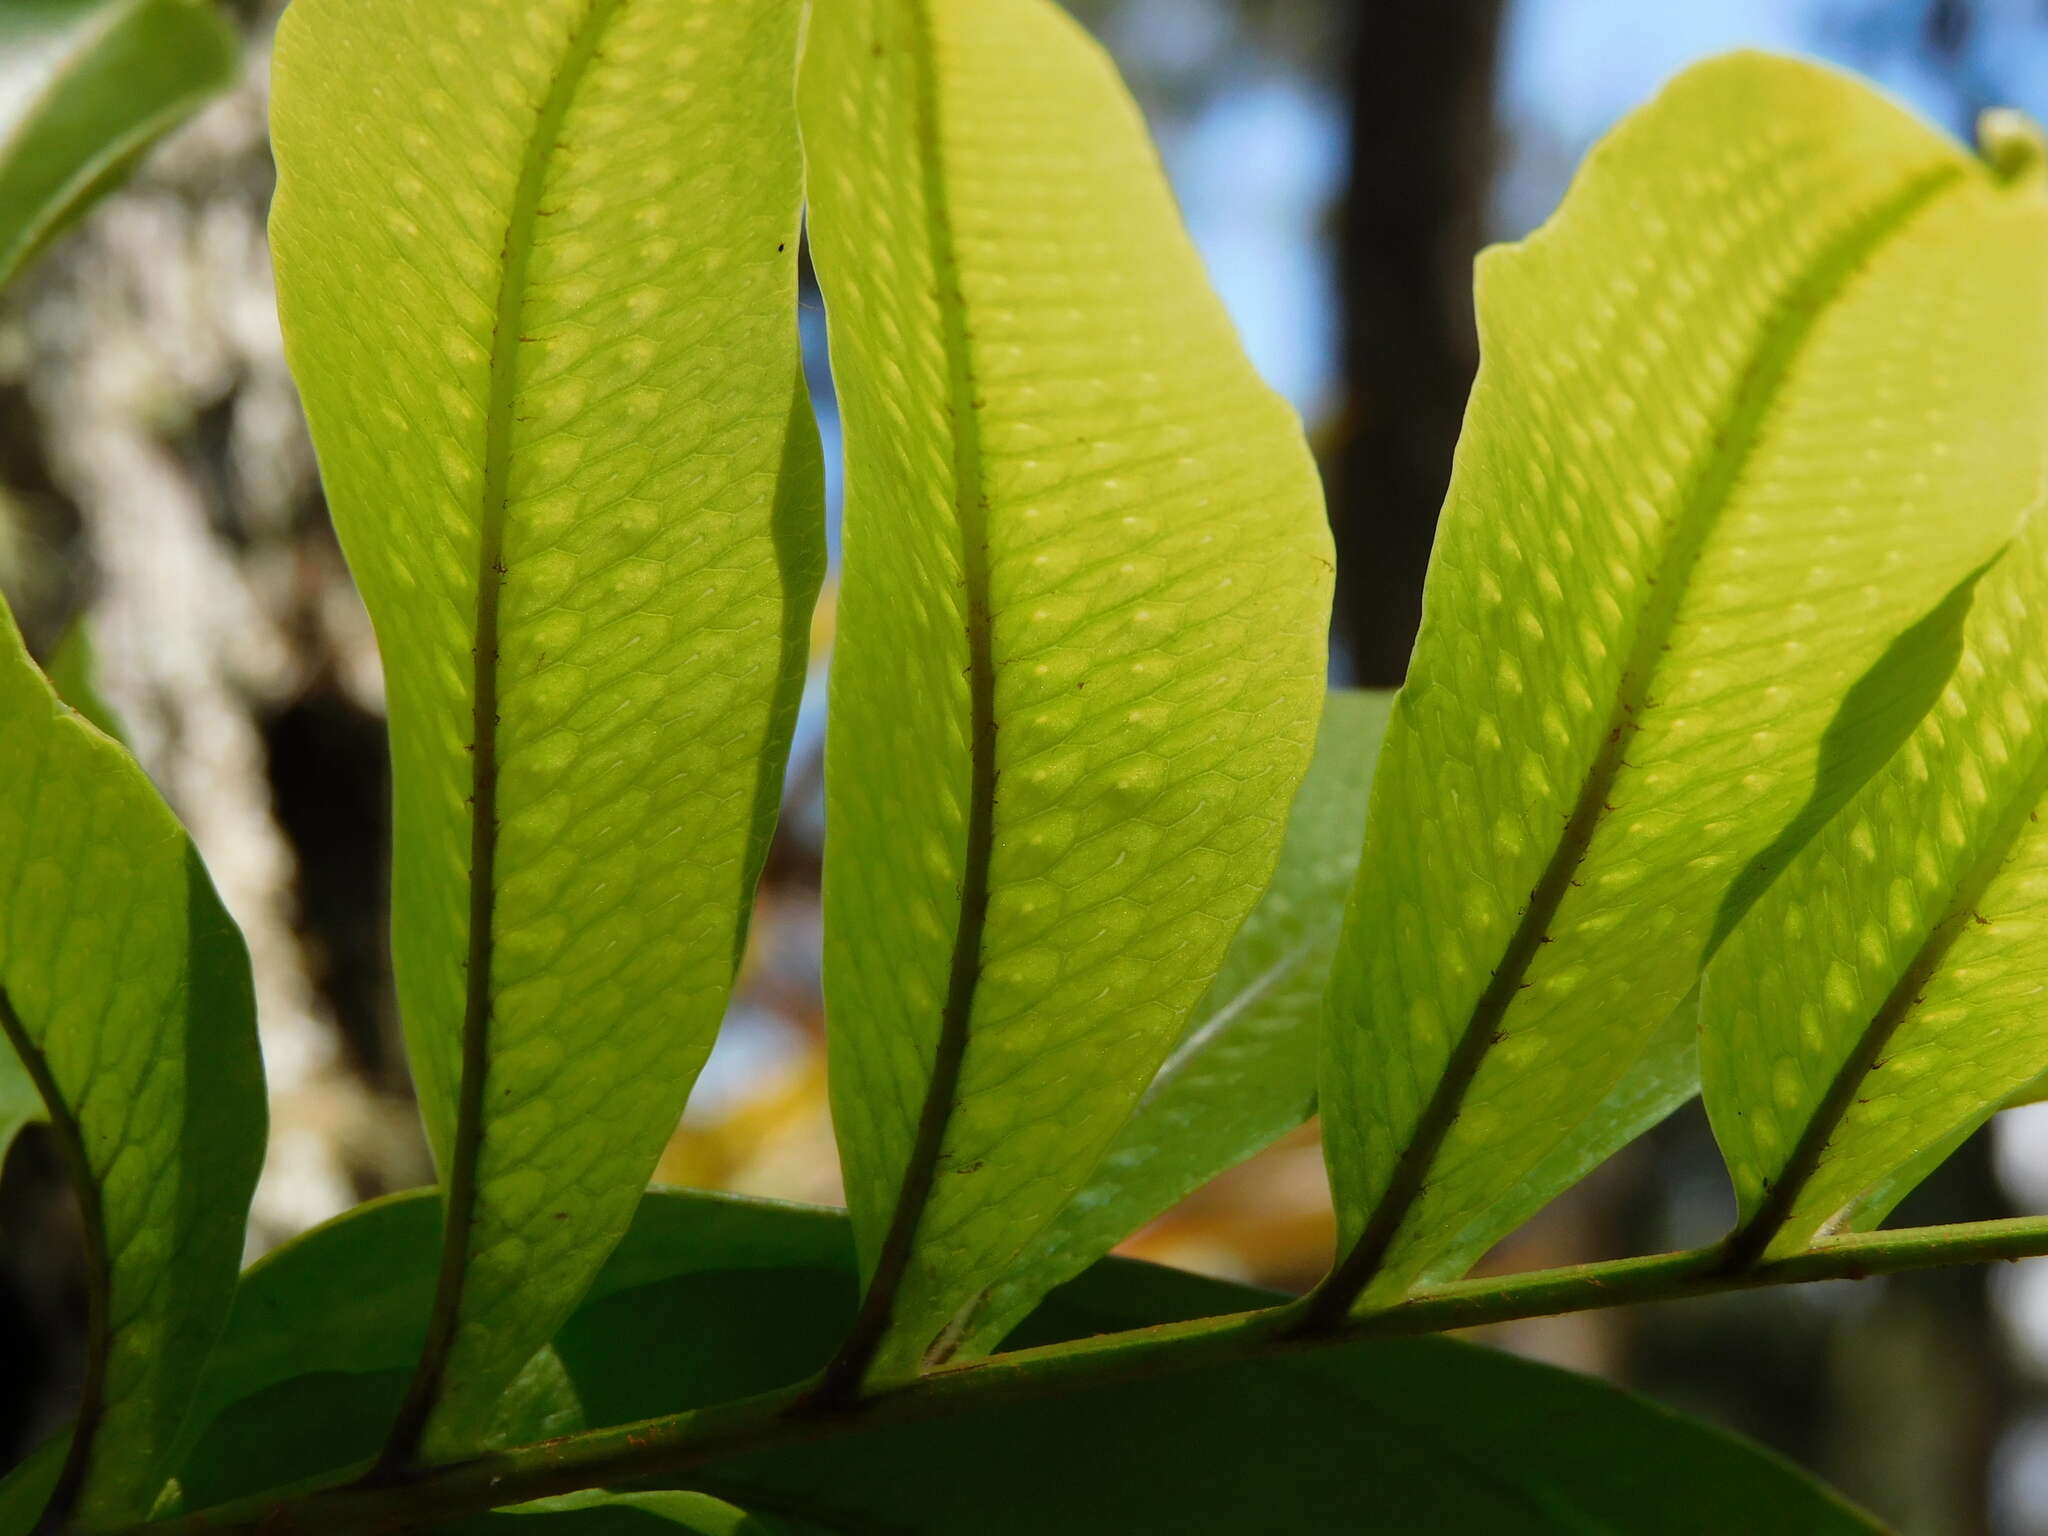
873 1323
521 235
1792 324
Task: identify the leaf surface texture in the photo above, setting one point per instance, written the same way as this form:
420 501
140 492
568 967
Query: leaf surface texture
1244 1074
1768 386
536 268
1082 627
1882 1000
125 994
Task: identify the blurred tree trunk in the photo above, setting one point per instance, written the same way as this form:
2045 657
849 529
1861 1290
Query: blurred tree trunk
1421 86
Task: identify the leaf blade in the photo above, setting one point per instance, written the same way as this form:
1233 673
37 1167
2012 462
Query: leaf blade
1669 718
591 535
1244 1073
1020 549
1891 1008
125 995
94 83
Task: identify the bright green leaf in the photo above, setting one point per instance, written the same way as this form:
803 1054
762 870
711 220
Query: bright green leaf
125 992
1081 629
1244 1074
536 267
1882 999
85 87
1708 476
1664 1077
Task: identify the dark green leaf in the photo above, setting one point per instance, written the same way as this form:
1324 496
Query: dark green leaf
1418 1436
324 1333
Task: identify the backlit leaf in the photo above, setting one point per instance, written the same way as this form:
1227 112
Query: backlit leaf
1883 999
1245 1072
1081 629
1709 475
536 266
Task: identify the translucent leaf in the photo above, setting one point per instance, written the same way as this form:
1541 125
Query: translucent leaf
1244 1074
125 994
1883 998
536 268
85 87
1081 629
1708 477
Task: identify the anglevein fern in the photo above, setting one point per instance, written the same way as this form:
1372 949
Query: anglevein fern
1720 762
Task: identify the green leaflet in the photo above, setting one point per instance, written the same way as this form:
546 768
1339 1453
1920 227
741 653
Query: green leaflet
1244 1073
1081 630
70 670
85 87
1707 477
1881 1000
710 1297
125 992
536 265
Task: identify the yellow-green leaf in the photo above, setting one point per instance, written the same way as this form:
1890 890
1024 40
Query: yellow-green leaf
1244 1073
536 265
1883 999
1081 631
1771 382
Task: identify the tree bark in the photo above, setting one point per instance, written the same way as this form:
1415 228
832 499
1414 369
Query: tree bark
1422 137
